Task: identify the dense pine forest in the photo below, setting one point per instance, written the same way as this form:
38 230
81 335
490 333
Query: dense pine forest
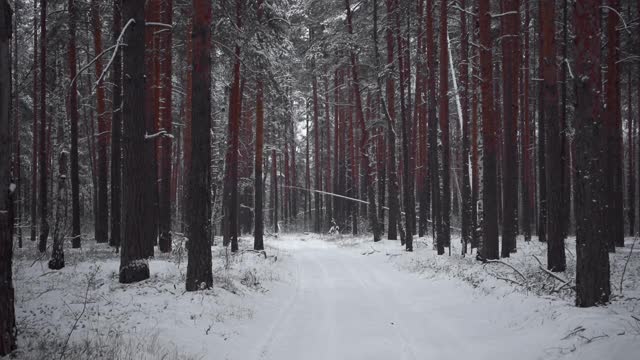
206 146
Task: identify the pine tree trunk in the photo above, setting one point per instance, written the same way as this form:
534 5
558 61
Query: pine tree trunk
381 152
307 181
164 213
116 131
287 186
475 167
274 191
527 174
466 221
328 169
489 249
444 236
102 220
406 131
337 202
7 312
613 128
18 196
231 176
258 229
432 152
293 201
565 157
44 222
245 219
541 133
394 201
133 263
72 109
57 254
186 150
510 69
637 173
199 275
316 157
631 181
151 116
353 163
420 115
34 150
592 267
364 137
555 232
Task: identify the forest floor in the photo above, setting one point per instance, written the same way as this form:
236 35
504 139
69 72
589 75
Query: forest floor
323 297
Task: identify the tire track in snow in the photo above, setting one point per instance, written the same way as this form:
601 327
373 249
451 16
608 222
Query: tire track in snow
283 314
442 328
408 351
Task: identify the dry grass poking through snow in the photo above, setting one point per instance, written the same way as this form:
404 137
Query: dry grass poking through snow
528 296
82 311
524 271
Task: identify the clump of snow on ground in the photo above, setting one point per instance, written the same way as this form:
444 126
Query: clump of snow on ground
83 311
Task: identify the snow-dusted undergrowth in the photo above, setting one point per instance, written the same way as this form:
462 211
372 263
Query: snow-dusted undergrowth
523 295
324 296
82 311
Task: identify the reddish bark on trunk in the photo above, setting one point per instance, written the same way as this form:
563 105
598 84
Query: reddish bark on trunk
489 136
102 220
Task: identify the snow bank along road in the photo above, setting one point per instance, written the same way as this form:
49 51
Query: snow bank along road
343 305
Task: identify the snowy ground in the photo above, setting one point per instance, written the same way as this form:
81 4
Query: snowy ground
323 298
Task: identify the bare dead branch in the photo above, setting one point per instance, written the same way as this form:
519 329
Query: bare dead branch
624 270
563 281
508 265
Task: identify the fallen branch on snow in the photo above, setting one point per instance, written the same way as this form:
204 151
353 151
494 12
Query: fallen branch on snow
588 340
259 252
90 279
373 250
574 332
564 282
507 280
506 264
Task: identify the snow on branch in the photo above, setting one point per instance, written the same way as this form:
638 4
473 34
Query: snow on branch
89 64
102 133
455 80
346 198
488 261
566 61
160 133
457 7
115 51
328 193
167 26
628 59
504 14
624 23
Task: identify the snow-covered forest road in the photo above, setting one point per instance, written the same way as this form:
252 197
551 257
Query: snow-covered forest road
343 304
314 297
343 307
